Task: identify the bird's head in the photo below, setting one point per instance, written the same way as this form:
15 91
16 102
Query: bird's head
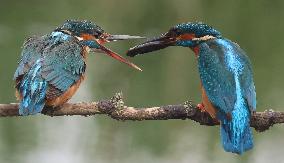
93 36
185 34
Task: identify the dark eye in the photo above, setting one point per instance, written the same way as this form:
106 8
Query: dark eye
97 33
174 32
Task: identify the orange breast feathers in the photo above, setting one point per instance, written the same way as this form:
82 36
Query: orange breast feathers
207 104
65 96
87 36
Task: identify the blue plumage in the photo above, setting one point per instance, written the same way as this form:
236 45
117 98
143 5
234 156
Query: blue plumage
227 78
49 66
228 91
52 66
33 90
198 29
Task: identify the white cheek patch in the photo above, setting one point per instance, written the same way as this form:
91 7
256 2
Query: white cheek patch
79 38
204 38
88 49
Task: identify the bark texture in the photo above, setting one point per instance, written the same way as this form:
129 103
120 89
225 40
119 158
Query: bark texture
116 109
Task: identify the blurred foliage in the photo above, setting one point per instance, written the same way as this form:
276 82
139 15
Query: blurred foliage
170 76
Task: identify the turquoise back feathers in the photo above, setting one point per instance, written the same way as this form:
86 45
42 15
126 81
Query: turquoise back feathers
226 76
33 91
49 66
52 66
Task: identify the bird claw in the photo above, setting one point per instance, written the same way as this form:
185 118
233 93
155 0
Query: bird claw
201 107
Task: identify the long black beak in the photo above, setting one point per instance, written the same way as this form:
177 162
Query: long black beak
152 45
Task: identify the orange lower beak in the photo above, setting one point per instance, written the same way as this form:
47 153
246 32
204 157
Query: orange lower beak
117 57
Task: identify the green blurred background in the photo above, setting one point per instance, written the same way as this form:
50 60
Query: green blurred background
169 77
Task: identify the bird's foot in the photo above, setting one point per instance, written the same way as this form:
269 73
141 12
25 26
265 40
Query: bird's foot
201 107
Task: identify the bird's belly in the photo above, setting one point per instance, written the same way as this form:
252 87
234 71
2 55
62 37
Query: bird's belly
66 95
207 104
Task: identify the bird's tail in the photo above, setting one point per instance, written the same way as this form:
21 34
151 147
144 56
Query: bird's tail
33 90
236 134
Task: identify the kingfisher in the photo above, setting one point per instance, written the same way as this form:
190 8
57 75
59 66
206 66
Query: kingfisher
52 66
227 86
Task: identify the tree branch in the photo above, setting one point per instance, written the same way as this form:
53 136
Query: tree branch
116 109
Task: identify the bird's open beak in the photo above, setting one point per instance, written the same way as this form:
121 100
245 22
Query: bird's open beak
118 57
122 37
152 45
107 38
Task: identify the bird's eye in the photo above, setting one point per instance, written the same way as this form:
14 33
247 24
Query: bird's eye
174 32
97 34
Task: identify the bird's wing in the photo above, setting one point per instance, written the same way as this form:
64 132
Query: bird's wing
221 65
30 54
246 81
63 64
217 80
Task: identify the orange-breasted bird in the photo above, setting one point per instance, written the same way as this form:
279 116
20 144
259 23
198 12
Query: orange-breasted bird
53 66
227 86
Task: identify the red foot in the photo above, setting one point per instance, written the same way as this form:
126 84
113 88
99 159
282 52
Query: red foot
201 107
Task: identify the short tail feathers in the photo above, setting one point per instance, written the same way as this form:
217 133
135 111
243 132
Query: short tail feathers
236 134
33 89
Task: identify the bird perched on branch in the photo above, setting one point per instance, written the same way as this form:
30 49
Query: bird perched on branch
227 86
53 66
